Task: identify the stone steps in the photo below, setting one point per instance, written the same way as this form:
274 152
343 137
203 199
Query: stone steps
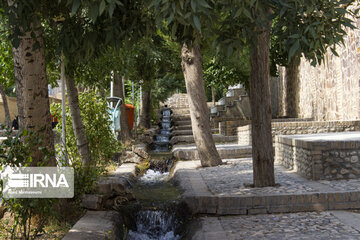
182 123
183 127
176 118
186 139
189 132
180 111
189 152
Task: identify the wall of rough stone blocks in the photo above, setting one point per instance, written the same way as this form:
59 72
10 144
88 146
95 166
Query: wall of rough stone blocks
319 160
178 100
302 126
330 91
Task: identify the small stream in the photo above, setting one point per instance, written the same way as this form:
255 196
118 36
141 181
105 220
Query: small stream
158 214
161 143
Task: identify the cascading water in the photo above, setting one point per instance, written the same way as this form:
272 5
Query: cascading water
159 214
161 143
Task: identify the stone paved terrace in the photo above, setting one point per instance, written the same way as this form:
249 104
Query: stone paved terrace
308 225
221 190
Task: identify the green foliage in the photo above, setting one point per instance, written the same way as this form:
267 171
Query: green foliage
6 57
309 28
185 19
15 152
96 121
222 72
101 141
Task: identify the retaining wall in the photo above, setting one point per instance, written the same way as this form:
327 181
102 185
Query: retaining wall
319 159
302 126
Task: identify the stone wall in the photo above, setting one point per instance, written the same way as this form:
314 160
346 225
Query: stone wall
229 127
330 91
319 160
178 100
302 126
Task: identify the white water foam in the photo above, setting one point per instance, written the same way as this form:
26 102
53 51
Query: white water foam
152 176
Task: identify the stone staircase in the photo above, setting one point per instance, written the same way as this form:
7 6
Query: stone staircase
235 105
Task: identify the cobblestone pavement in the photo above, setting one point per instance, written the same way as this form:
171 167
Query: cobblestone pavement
308 225
234 179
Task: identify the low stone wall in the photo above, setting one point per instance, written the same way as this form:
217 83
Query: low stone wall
229 127
320 156
299 126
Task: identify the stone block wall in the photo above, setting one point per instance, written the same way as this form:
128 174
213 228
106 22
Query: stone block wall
319 160
330 91
178 100
302 126
229 127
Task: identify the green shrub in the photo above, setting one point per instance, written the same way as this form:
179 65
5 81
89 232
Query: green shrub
15 152
102 143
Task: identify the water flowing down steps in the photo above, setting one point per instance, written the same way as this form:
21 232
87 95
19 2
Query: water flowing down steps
161 143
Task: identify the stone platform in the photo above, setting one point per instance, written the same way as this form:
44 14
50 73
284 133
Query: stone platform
225 150
321 156
223 190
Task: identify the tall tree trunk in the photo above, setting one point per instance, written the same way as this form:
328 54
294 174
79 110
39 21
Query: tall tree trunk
292 88
32 93
199 112
6 106
145 109
77 124
125 134
213 95
262 148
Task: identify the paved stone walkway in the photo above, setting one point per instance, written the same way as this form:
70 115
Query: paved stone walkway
307 225
225 190
234 177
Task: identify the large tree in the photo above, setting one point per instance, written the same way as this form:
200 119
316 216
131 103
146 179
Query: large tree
30 76
247 24
125 133
184 20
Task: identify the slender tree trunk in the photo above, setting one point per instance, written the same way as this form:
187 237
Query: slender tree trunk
6 106
79 130
145 109
199 112
213 95
32 93
125 134
262 148
292 88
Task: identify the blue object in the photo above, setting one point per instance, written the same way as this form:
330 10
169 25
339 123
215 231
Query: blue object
114 113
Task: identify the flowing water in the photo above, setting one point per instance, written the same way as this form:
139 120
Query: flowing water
161 143
159 216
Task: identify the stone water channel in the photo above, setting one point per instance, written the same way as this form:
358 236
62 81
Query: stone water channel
158 213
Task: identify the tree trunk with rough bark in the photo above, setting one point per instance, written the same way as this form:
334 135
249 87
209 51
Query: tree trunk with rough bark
6 106
213 95
292 88
199 112
77 124
145 109
125 134
262 148
32 93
